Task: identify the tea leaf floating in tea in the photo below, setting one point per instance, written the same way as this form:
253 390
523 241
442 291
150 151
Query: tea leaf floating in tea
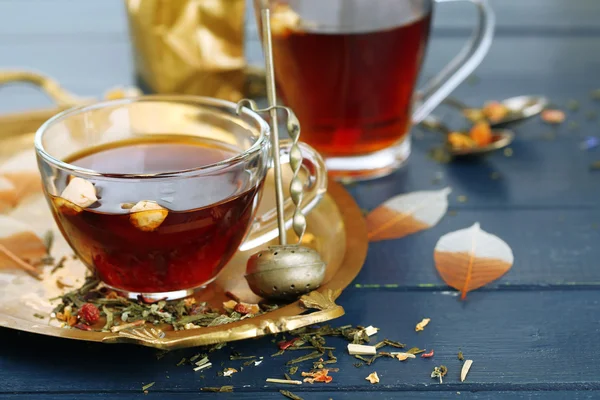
20 247
470 258
78 194
147 215
407 213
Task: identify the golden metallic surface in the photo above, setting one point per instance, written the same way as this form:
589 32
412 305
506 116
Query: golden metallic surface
336 229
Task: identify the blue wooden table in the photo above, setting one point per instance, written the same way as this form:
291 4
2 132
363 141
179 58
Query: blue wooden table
532 335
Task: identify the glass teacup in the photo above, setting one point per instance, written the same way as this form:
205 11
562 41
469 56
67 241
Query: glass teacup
156 194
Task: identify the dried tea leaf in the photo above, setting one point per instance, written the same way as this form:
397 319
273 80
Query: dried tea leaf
20 247
439 372
22 171
460 356
8 194
290 395
222 389
408 213
465 370
320 301
373 378
148 386
415 350
421 325
470 258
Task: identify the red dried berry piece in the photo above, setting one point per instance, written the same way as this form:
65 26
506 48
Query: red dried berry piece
89 313
242 309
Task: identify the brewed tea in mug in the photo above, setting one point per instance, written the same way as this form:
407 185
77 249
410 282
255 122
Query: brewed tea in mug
348 68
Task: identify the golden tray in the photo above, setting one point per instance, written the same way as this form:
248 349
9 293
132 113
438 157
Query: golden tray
336 228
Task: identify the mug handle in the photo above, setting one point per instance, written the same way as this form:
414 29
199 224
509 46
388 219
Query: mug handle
264 227
461 66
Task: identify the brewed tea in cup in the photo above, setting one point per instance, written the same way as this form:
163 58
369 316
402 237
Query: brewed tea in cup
156 194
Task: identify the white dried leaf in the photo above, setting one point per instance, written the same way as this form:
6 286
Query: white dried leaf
147 215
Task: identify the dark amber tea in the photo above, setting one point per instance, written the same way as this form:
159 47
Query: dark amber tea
156 235
352 91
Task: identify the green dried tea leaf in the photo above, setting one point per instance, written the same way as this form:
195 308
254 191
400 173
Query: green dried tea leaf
293 370
222 389
290 395
415 350
460 356
148 386
310 356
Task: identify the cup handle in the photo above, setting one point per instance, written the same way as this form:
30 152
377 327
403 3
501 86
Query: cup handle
461 66
314 172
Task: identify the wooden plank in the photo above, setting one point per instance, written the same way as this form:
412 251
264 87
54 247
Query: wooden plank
551 248
513 342
324 395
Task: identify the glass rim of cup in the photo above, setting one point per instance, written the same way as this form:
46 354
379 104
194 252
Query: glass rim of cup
262 140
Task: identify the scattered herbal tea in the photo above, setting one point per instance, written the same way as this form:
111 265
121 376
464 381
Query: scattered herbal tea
120 313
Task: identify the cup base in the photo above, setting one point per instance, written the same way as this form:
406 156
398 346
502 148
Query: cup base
157 296
369 166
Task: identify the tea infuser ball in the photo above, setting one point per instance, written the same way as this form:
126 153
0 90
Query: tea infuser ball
284 271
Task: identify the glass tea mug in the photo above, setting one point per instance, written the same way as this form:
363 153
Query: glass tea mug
348 69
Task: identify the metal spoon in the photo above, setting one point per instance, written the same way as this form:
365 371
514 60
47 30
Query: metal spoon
501 138
284 271
520 107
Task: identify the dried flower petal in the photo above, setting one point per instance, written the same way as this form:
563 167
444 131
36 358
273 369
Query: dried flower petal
373 378
427 355
403 356
481 134
465 370
229 371
495 111
421 325
553 116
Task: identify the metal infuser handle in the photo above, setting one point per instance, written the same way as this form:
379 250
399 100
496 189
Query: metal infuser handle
296 185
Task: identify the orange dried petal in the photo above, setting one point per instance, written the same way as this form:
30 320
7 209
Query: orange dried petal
460 141
495 111
553 116
481 133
